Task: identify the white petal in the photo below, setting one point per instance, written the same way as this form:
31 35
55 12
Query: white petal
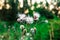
18 19
29 20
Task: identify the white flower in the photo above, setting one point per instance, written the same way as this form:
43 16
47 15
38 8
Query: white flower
29 20
22 38
46 21
18 19
51 7
36 15
21 26
31 38
27 34
21 17
32 29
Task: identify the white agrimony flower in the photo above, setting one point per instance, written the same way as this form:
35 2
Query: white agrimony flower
36 15
29 20
21 17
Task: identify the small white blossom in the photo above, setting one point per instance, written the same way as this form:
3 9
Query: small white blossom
32 29
29 20
36 15
22 38
18 19
31 38
27 34
21 17
46 21
21 26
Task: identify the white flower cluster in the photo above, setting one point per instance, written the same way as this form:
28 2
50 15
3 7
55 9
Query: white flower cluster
28 19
